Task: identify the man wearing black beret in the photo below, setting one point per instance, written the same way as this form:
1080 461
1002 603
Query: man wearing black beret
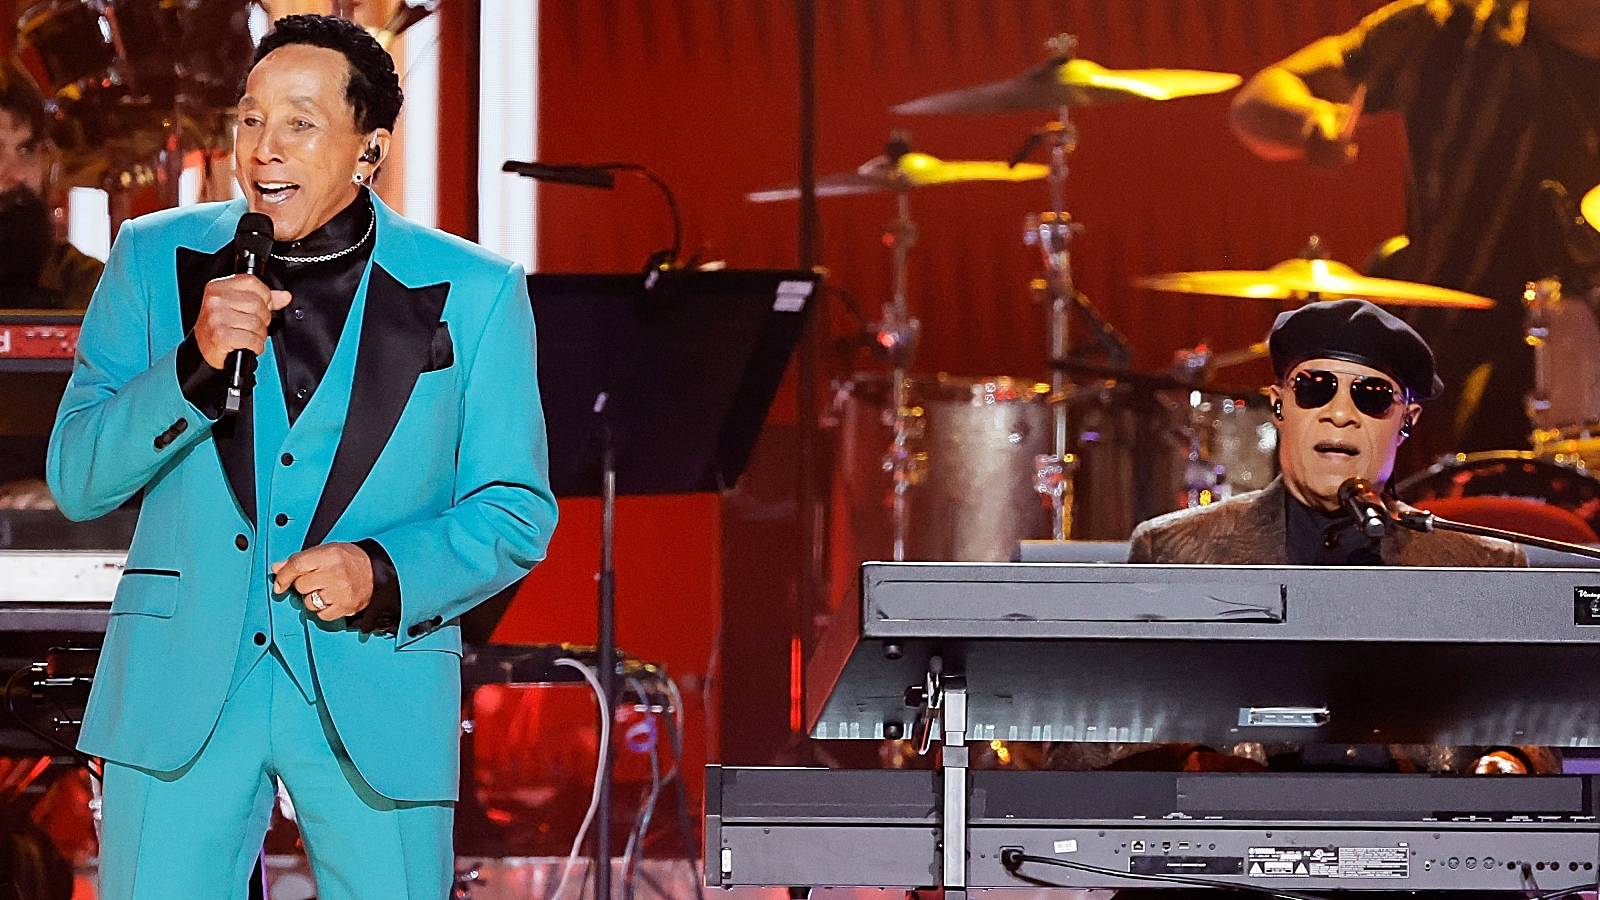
1350 382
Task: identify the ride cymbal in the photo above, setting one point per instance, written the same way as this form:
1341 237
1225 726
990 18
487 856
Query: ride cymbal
911 170
1072 82
1302 279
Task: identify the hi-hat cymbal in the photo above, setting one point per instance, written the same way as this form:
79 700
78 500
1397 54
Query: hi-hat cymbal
1074 82
911 170
1591 207
1301 279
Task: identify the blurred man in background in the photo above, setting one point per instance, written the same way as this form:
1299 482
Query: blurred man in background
1501 101
36 271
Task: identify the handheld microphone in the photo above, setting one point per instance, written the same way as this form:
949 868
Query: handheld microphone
1369 509
253 241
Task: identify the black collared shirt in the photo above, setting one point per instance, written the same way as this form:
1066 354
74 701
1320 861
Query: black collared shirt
1316 538
305 333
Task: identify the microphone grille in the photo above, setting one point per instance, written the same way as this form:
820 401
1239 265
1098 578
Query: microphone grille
254 233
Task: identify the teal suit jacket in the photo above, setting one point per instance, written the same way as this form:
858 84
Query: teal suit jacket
425 434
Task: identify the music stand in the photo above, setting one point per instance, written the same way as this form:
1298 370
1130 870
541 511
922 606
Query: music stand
656 384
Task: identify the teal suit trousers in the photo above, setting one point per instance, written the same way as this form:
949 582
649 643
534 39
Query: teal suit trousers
193 834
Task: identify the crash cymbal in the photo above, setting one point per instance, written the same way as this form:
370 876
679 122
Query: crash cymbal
1072 82
910 170
1591 207
1301 279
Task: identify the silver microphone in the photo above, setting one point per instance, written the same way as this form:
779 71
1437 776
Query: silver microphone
1369 509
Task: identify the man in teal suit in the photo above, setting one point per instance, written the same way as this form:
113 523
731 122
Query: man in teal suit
288 612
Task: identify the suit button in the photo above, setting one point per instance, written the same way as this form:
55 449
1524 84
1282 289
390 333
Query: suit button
242 542
287 459
260 639
178 427
417 630
161 442
436 621
281 519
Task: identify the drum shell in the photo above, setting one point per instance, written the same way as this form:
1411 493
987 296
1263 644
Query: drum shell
1143 453
147 36
971 451
1564 333
215 52
1509 473
66 47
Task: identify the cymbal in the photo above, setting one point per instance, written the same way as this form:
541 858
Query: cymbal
1300 279
911 170
1074 82
1591 207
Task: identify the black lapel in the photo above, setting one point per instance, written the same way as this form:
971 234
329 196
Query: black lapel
233 436
396 331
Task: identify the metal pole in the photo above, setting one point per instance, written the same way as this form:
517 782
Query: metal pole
1055 234
807 357
607 642
900 325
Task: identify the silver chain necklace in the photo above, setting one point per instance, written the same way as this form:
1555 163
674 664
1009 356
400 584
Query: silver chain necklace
329 257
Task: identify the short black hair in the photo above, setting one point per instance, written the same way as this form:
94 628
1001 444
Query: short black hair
373 89
21 99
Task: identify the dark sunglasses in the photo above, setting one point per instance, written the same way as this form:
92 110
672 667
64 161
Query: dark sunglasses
1316 388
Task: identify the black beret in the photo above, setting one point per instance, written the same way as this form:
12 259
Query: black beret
1359 332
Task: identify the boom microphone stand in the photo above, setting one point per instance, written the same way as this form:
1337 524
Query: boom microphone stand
1424 521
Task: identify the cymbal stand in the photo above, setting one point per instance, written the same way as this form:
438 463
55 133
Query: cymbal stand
896 340
1051 232
1202 478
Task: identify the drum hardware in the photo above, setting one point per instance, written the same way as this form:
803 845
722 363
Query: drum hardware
104 131
1205 478
1051 232
132 84
1591 207
1060 83
895 336
925 413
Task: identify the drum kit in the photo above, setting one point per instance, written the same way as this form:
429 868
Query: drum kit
133 85
941 467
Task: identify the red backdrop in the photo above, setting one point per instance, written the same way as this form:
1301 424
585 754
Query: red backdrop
706 94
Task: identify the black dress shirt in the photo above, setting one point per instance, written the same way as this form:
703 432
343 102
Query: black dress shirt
305 335
306 332
1316 538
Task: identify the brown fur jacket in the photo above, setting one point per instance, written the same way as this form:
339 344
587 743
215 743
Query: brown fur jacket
1248 529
